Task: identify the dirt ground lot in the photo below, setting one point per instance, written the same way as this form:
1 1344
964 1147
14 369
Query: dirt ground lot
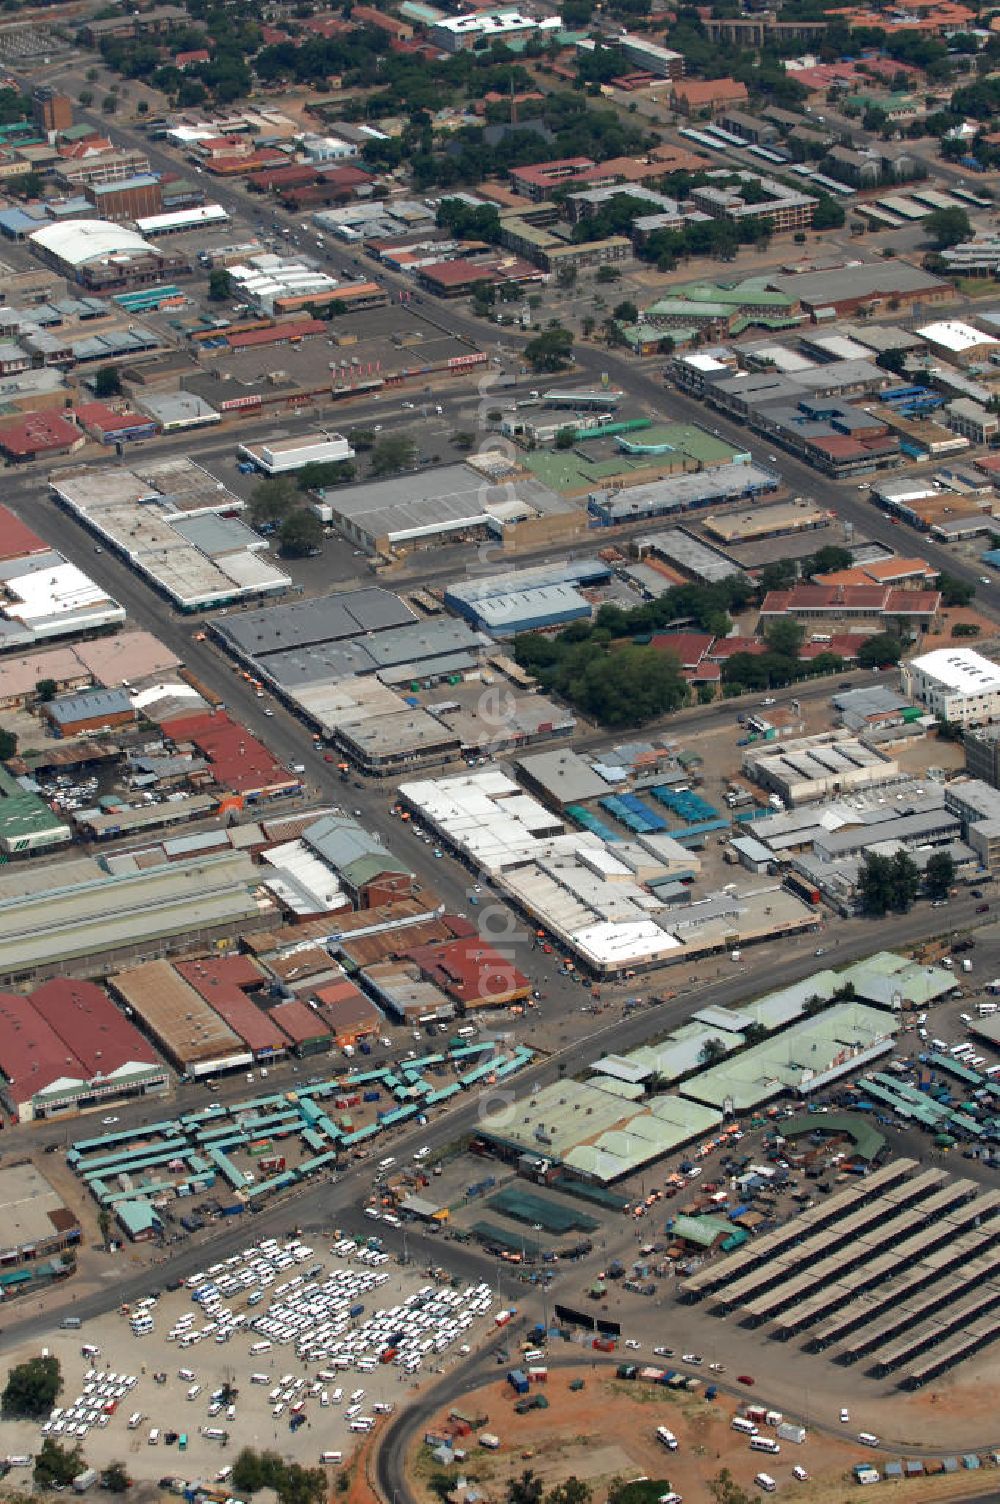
608 1430
168 1407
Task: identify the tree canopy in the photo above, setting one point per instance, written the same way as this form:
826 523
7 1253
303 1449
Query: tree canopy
887 883
300 534
32 1389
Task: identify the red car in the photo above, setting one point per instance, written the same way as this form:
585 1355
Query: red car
745 1378
328 757
982 908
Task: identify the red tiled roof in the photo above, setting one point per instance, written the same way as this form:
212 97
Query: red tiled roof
698 91
106 420
16 537
470 970
689 648
728 647
298 1022
90 1026
32 1055
294 329
221 982
239 761
37 433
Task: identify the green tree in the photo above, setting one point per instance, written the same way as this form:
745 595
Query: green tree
880 650
319 475
8 744
463 440
754 1033
639 1491
887 882
45 690
626 312
892 360
440 1484
572 1491
56 1466
828 214
107 383
392 453
104 1226
955 592
300 534
32 1389
939 874
566 438
109 104
527 1489
608 273
86 98
827 559
946 227
566 276
248 1471
272 500
115 1478
27 185
711 1052
361 439
552 350
785 636
220 285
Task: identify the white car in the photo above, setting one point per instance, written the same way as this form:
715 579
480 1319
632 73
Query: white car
633 1344
845 1416
108 1121
800 1473
691 1358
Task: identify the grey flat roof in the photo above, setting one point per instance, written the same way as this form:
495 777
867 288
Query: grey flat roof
416 643
432 497
91 702
563 773
326 619
856 282
216 535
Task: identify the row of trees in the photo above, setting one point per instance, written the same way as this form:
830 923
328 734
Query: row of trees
608 670
291 1483
891 884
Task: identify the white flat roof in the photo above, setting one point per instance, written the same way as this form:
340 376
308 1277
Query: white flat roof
84 240
960 670
952 334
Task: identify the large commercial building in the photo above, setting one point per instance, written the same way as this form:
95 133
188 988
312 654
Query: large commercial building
103 256
173 522
955 684
814 767
68 1047
78 918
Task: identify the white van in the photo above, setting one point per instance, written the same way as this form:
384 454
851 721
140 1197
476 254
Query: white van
740 1423
764 1444
867 1439
259 1347
362 1423
194 1391
766 1482
260 1378
331 1457
153 1436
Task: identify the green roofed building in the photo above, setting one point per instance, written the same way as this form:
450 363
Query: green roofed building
703 1232
726 307
868 1144
27 824
138 1219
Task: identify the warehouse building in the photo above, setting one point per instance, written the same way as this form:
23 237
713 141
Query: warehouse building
814 767
91 710
102 256
193 1036
27 823
524 600
452 501
66 1048
151 514
36 1225
80 919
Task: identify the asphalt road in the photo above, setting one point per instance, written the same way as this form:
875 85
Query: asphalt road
338 1201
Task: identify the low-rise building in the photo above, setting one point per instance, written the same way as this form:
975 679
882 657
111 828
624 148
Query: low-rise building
955 684
973 421
959 343
693 95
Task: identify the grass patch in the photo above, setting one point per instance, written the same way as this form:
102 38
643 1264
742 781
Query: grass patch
977 287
